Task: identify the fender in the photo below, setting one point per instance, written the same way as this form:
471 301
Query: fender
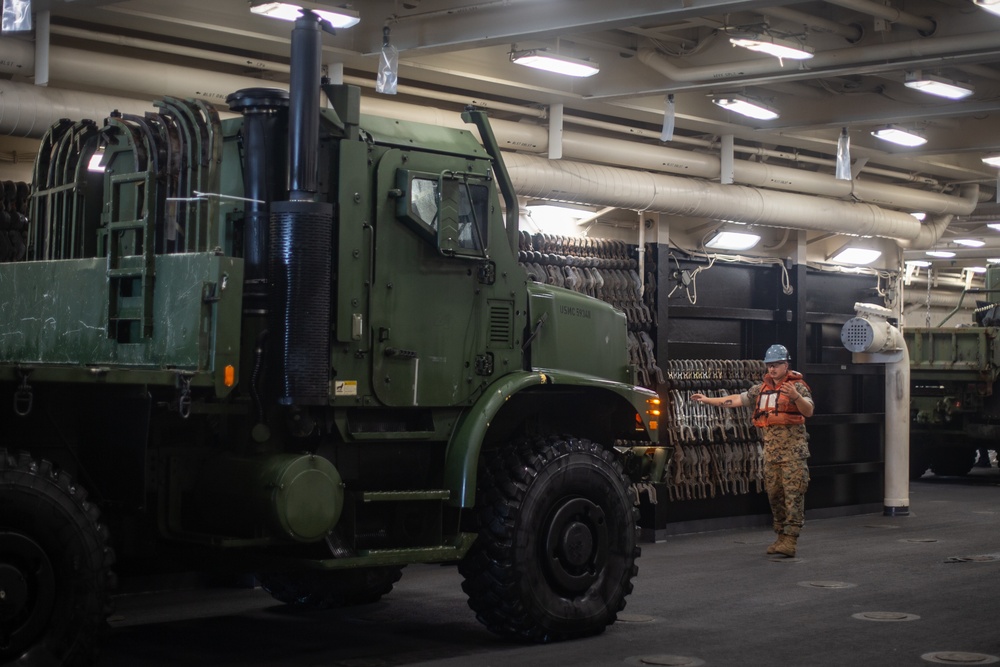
462 457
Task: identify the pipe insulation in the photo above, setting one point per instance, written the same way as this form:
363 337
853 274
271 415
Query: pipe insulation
86 68
526 137
27 110
623 188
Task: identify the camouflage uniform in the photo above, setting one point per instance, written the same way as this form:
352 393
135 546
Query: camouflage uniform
786 473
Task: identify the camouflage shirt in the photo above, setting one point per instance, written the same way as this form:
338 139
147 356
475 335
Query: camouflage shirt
782 442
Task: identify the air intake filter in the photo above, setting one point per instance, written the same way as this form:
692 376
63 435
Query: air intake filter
300 268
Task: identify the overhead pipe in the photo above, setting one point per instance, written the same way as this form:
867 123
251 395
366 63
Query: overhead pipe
578 146
535 176
852 33
89 68
732 72
270 66
636 190
758 151
926 26
29 111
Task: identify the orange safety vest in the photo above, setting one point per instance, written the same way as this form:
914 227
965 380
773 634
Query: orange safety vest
773 407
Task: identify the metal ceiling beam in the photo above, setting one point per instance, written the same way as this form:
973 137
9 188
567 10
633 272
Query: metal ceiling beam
487 23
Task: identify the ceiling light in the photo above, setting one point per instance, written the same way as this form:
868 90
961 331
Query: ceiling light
993 260
989 5
743 105
899 136
553 62
726 240
774 46
856 251
922 263
855 255
338 17
943 254
976 269
919 215
992 160
938 85
995 226
970 243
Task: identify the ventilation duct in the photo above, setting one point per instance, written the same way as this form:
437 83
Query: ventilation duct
623 188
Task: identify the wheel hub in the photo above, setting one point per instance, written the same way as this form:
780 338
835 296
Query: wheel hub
27 591
576 545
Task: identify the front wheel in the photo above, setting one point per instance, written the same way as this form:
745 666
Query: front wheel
54 566
556 551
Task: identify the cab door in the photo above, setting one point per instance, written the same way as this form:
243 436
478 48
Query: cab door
428 301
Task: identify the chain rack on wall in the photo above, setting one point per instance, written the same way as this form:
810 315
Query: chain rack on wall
608 270
716 451
13 220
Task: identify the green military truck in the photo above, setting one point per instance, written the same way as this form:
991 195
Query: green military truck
954 409
953 374
298 343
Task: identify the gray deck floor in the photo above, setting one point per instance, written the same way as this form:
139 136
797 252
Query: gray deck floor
926 583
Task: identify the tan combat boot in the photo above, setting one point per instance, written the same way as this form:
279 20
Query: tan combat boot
786 546
773 549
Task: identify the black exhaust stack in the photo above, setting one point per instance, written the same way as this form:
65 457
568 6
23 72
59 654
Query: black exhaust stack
301 238
264 133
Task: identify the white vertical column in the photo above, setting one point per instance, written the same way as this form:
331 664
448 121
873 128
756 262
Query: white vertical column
556 132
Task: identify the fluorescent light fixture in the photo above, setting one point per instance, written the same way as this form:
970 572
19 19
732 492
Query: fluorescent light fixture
922 263
992 6
338 17
556 219
899 136
995 226
993 260
970 243
855 255
919 215
726 240
938 85
992 160
553 62
976 269
942 254
743 105
774 46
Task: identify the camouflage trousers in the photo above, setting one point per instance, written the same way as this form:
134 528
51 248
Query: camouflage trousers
786 485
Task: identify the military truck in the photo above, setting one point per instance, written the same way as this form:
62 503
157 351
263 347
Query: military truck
953 374
297 343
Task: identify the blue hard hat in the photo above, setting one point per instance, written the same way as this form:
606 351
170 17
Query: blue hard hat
776 353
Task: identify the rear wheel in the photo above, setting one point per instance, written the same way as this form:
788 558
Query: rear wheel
953 461
556 549
328 589
54 566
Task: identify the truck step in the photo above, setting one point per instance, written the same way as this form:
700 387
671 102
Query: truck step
395 496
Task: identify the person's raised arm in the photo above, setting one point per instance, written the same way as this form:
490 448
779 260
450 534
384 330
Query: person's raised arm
731 401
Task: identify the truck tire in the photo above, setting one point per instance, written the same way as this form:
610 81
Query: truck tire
55 566
329 589
556 551
952 461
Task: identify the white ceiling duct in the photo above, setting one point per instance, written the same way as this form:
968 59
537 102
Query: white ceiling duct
27 110
94 70
526 137
623 188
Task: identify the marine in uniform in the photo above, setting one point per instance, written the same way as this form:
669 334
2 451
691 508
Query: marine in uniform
781 403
